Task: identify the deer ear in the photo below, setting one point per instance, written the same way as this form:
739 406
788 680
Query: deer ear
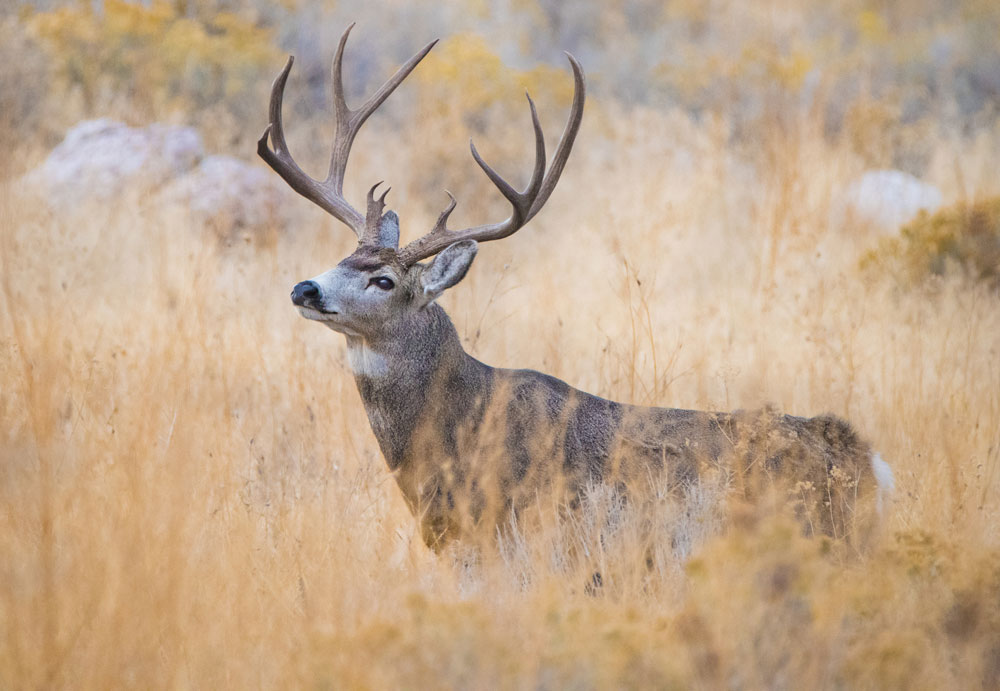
388 230
448 268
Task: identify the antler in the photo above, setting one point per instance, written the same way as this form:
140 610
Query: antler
328 194
524 204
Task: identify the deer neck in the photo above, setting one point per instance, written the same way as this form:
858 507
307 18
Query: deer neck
397 373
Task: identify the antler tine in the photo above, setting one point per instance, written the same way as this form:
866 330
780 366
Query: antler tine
513 196
274 107
520 201
441 226
349 121
328 194
565 142
283 164
374 214
524 204
537 174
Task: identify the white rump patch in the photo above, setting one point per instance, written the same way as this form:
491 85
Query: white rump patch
885 479
364 361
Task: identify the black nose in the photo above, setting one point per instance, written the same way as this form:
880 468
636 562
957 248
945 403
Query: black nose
304 291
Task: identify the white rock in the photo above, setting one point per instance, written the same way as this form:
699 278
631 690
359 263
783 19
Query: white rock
884 200
100 159
230 195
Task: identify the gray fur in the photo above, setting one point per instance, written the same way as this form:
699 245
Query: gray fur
468 443
448 268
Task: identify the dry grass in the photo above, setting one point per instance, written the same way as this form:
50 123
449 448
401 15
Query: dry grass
190 495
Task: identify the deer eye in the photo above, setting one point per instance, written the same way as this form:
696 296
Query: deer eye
383 282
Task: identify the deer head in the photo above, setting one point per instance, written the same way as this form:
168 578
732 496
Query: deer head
379 284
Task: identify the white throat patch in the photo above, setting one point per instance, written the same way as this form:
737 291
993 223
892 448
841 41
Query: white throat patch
364 361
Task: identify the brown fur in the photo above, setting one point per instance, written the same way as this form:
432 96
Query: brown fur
469 444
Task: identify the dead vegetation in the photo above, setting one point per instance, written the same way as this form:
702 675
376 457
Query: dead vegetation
190 494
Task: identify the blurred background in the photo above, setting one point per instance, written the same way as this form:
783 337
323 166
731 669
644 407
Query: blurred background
884 75
784 203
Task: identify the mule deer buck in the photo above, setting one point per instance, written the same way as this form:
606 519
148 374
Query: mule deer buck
468 444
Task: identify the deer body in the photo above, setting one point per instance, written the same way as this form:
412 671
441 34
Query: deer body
469 444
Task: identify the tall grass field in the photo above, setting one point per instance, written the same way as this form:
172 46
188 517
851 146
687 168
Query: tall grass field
191 495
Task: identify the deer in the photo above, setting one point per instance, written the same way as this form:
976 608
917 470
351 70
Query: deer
471 445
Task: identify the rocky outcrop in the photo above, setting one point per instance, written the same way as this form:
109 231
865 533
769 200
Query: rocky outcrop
103 160
883 200
230 196
100 159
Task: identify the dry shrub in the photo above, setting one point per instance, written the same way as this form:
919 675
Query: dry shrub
963 239
190 494
151 61
24 76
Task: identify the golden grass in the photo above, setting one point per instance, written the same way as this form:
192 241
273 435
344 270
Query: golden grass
190 495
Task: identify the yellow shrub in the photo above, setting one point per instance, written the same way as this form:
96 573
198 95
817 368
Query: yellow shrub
872 26
465 90
464 74
164 61
962 237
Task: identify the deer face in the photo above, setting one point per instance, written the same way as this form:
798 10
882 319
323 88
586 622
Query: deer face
370 293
